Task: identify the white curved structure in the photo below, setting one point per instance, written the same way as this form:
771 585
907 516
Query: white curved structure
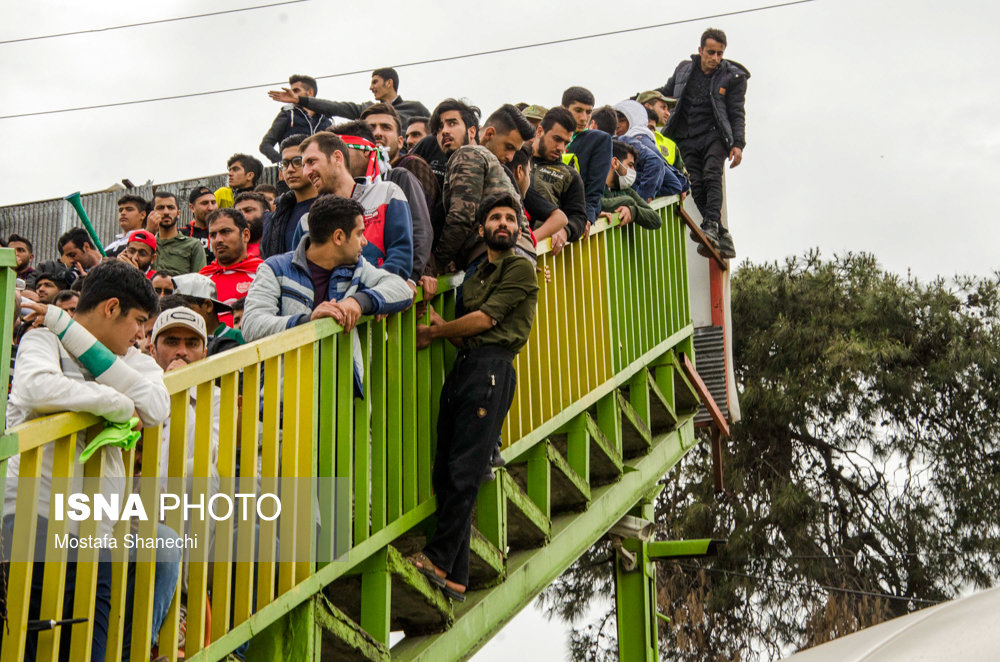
963 629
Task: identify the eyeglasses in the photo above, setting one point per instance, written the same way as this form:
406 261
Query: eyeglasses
284 164
162 290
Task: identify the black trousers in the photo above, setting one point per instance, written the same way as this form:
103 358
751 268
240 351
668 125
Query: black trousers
705 156
475 400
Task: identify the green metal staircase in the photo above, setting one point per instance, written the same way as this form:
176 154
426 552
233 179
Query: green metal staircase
581 466
604 408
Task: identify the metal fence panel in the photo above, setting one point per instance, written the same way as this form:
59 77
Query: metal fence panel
43 222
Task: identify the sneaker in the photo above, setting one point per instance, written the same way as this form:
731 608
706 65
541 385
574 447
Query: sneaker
726 247
711 231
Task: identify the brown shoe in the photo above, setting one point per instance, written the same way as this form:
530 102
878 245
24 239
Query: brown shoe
427 568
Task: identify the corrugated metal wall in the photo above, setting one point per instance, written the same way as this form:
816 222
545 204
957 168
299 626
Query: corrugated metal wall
43 222
711 360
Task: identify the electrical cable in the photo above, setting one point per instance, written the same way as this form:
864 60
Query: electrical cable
136 25
406 64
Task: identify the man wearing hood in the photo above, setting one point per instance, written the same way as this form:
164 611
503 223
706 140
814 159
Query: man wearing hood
655 177
709 125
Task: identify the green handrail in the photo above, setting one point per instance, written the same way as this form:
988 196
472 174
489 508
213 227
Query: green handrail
607 304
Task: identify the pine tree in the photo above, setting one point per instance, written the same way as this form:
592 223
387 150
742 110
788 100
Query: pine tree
862 483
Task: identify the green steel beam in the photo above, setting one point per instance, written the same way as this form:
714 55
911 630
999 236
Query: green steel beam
669 550
635 605
485 612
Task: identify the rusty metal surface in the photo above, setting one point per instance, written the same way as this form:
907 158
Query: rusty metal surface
44 221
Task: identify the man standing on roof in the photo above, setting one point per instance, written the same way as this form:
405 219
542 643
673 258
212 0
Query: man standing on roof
294 120
709 125
384 86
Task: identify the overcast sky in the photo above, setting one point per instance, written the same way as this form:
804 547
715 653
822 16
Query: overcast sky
871 125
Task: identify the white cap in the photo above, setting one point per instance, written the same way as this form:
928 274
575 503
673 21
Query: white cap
179 316
200 287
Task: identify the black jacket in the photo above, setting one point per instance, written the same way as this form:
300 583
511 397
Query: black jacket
352 111
593 149
272 238
729 89
290 121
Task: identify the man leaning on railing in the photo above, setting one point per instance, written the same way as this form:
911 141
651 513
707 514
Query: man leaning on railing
87 364
324 277
491 326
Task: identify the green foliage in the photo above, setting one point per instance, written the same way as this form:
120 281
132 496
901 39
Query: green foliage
867 461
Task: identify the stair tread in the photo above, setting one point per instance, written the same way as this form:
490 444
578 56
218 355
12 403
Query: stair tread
418 606
686 396
605 460
342 638
527 526
662 413
636 436
487 564
569 490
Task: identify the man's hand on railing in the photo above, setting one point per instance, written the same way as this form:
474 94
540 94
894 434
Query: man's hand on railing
559 240
175 364
586 231
430 286
625 214
346 313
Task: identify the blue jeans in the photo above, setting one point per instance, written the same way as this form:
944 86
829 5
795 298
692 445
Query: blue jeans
168 565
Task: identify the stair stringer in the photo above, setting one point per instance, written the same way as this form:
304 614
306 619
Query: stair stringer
485 613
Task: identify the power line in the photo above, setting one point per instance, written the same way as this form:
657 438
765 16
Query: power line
871 594
136 25
407 64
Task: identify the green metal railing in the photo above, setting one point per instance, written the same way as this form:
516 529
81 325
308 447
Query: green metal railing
608 307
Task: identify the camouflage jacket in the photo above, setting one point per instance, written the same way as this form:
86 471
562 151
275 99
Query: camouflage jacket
473 173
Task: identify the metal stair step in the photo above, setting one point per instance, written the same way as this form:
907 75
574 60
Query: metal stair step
342 638
686 396
569 491
486 562
605 460
418 606
662 414
636 436
527 525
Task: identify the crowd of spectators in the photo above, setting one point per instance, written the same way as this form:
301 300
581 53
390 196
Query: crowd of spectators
375 200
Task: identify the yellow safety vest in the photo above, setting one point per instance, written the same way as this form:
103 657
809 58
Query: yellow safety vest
666 146
570 159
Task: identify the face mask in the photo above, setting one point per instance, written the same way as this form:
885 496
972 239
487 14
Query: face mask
626 180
